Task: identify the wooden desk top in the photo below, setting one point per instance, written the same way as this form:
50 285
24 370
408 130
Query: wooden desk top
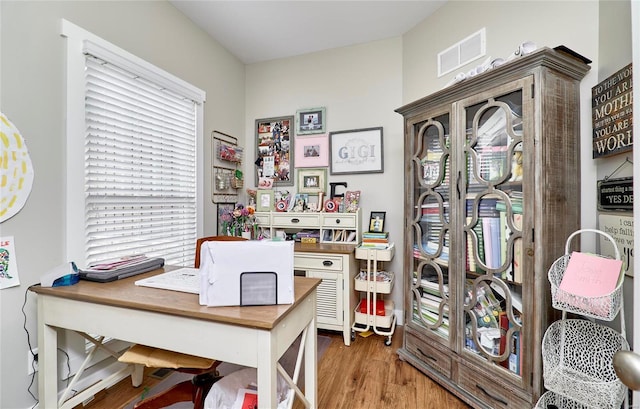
124 293
335 248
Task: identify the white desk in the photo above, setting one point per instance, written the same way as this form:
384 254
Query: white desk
250 336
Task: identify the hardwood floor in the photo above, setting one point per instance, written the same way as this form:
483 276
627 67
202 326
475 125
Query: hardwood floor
366 375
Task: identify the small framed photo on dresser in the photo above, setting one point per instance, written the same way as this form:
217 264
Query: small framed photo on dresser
376 222
264 200
312 180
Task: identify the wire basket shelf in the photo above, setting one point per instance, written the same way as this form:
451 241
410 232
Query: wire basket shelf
236 182
230 153
578 363
552 400
605 307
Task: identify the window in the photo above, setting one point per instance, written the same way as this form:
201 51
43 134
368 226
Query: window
134 155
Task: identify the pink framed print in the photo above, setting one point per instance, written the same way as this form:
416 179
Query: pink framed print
312 151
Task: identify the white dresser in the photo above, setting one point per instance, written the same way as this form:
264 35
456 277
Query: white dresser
332 259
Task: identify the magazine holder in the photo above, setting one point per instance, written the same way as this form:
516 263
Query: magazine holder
577 354
604 307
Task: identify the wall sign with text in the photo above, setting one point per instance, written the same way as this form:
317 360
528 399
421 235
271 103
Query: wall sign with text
356 151
620 228
615 194
612 112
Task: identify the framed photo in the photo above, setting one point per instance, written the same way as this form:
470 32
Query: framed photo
224 211
312 180
274 142
310 121
376 222
357 151
265 183
300 203
312 151
264 200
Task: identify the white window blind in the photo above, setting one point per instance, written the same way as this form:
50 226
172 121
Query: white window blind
140 167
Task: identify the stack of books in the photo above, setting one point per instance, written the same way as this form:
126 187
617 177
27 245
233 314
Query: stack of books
307 236
375 240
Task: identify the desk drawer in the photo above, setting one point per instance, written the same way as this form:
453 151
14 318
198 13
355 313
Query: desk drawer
295 220
338 221
317 262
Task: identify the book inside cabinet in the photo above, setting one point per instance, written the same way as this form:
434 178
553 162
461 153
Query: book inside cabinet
492 186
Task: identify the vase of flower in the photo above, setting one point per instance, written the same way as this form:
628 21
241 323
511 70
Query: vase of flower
240 221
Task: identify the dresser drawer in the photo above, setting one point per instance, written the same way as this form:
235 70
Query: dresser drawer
305 261
490 389
428 354
338 220
262 218
295 220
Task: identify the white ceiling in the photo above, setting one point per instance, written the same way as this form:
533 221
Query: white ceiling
256 31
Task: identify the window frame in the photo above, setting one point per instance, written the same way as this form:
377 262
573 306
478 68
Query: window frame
79 40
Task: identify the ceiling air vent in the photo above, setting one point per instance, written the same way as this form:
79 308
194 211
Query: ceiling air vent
461 53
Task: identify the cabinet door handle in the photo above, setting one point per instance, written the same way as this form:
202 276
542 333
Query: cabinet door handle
458 183
327 263
295 220
490 395
337 221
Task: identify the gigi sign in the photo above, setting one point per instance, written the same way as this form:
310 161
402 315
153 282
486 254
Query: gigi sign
358 151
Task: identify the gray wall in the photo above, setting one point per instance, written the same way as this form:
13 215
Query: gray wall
360 86
32 96
353 83
615 53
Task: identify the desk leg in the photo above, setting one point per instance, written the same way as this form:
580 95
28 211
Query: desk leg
311 363
47 360
267 372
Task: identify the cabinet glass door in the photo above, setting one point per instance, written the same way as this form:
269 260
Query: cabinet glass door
493 220
431 162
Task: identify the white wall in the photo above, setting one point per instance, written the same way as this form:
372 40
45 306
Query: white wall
508 23
600 31
360 86
635 30
32 96
356 84
570 23
615 53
